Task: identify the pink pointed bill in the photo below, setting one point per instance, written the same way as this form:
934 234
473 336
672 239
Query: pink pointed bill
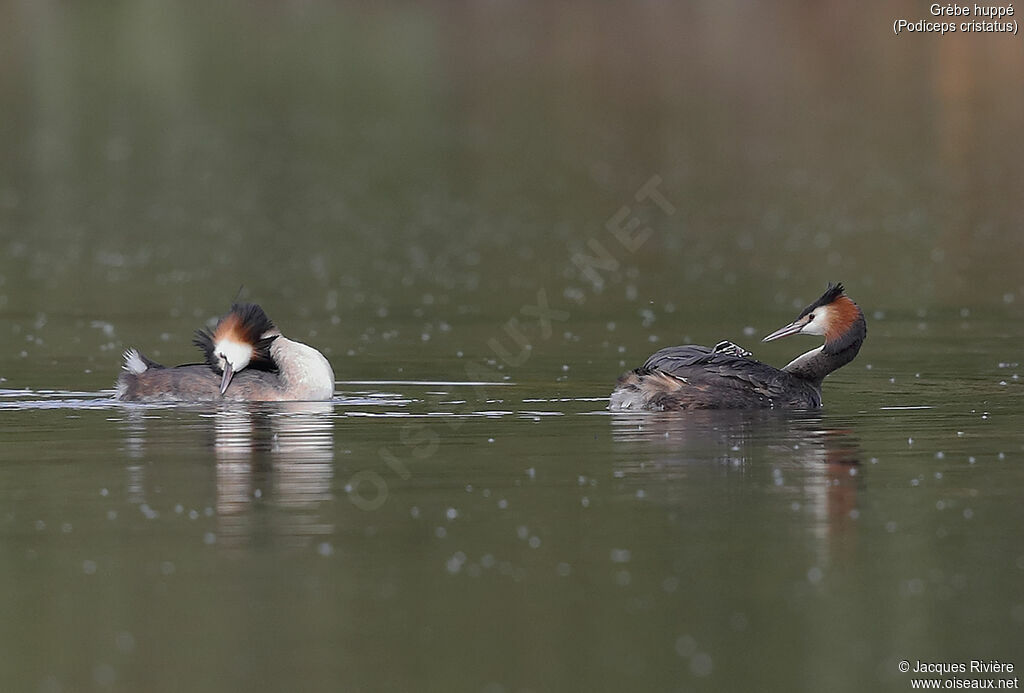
226 380
791 328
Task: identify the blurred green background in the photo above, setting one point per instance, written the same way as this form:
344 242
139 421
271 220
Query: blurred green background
442 161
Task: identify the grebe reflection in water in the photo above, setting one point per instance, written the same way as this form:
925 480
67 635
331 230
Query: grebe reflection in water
247 360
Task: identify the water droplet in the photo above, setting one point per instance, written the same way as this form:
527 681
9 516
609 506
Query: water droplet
685 646
620 555
454 564
104 675
701 664
124 642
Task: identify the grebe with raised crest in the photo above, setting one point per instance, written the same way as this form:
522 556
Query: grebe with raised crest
725 377
247 360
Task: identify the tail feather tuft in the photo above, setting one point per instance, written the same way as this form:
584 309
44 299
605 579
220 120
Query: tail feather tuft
134 362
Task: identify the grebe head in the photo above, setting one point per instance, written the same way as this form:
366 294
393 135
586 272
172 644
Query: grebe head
833 315
241 340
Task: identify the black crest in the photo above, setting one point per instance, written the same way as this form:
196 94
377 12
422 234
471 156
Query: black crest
247 323
253 323
261 358
833 292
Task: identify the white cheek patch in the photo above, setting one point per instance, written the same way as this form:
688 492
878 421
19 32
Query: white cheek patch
820 322
235 353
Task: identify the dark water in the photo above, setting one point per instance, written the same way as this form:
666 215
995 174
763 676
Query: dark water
483 214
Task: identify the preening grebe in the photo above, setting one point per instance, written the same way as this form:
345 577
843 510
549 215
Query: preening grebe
724 377
247 360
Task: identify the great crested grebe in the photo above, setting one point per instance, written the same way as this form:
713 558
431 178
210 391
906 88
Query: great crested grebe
724 377
247 360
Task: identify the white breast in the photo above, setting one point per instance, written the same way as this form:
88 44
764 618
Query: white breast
305 373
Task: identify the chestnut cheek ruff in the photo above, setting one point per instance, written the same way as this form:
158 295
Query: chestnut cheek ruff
846 325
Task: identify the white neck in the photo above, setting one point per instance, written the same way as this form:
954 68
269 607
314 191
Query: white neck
803 360
305 373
